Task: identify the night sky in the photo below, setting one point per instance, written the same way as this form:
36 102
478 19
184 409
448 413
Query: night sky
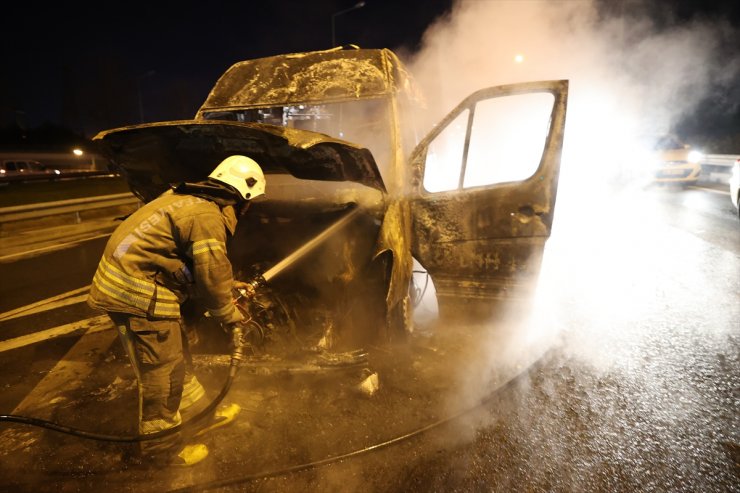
93 66
77 66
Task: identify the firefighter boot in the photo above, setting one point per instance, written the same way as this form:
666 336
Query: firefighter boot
223 416
189 455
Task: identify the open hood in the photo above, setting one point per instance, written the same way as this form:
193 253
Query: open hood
153 155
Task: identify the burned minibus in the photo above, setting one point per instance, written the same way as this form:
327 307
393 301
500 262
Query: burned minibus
354 195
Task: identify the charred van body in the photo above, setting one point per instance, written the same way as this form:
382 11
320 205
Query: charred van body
333 132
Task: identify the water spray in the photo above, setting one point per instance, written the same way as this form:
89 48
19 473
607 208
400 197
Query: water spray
301 252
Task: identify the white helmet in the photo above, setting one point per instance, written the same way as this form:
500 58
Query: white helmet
242 173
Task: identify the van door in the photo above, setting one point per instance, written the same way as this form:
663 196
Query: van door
483 195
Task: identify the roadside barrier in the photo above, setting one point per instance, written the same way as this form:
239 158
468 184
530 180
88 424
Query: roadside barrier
47 214
718 167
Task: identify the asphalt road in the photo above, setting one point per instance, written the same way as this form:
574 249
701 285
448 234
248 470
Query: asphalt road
625 377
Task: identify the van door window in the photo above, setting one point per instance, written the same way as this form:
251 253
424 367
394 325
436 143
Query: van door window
506 138
445 156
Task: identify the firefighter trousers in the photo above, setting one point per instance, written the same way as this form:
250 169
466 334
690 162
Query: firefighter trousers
159 355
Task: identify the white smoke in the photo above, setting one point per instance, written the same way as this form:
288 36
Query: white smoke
628 78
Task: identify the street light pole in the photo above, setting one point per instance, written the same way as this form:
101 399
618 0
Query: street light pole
356 6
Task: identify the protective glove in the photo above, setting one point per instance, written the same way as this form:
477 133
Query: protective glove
244 289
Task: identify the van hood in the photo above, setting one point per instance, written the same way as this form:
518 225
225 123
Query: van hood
152 156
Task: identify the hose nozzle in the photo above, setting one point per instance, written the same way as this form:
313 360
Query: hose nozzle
239 343
246 294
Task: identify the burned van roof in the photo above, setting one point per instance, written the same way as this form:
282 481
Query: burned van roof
153 155
319 76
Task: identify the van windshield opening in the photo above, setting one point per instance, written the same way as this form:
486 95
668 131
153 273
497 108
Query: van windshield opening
365 123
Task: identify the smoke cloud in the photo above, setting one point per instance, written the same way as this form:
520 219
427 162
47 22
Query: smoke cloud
630 77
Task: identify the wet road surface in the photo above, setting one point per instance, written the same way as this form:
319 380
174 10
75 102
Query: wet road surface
635 385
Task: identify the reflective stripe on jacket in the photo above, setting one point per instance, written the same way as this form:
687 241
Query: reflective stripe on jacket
172 248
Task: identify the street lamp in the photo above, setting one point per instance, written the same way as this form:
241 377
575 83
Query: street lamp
79 153
138 88
356 6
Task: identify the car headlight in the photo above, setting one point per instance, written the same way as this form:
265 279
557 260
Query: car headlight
695 156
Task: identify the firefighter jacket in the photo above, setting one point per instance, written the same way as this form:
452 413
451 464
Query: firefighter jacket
171 249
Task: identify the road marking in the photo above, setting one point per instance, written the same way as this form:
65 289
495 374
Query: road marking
51 248
74 367
57 301
90 325
721 192
66 375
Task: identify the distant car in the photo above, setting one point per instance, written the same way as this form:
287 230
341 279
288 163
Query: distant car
675 162
22 169
735 186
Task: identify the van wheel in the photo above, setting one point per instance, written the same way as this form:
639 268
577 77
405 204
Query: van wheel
399 320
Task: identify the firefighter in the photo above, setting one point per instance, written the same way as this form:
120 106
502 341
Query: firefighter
162 257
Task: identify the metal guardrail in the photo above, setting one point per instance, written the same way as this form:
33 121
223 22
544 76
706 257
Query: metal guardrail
71 206
720 160
717 167
717 163
30 176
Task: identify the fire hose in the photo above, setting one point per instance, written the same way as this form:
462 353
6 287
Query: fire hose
238 355
241 480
